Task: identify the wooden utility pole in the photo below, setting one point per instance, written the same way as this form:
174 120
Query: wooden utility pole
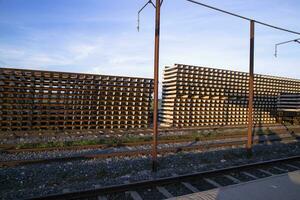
251 90
156 72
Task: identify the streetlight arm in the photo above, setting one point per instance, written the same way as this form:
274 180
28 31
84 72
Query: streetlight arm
275 54
281 43
138 19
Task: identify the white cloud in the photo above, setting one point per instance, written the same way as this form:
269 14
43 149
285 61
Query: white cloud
187 36
11 53
81 51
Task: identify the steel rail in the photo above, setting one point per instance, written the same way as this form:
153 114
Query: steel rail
203 137
162 181
14 149
134 153
144 131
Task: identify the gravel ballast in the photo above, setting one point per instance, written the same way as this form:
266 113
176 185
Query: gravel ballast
44 179
21 137
73 153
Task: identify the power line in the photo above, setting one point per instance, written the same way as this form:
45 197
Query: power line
278 28
242 17
220 10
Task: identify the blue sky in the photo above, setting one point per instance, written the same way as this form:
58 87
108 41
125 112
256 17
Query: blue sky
100 36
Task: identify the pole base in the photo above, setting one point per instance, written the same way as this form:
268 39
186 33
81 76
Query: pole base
249 153
154 166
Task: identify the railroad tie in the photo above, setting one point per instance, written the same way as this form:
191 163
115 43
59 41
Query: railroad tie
209 195
174 174
190 187
250 175
235 180
292 166
164 191
266 172
129 148
101 198
66 190
280 169
135 195
214 183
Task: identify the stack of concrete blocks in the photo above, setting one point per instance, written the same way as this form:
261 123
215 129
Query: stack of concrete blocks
46 100
201 96
288 102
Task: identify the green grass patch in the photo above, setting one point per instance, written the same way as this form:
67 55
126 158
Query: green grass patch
109 142
121 141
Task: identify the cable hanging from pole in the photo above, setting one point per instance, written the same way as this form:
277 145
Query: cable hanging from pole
281 43
146 4
242 17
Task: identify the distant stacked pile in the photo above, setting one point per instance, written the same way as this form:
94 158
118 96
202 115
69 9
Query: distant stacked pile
35 100
288 107
288 102
200 96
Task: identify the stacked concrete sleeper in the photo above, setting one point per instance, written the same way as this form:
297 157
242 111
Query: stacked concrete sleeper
47 100
201 96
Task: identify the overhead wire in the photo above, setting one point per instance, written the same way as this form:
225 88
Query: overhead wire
232 14
245 18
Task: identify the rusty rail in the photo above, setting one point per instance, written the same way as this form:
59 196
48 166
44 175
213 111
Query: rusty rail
15 149
135 153
163 181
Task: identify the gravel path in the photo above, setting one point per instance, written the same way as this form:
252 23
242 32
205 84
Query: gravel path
41 179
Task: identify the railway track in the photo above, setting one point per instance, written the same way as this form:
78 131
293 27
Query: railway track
179 185
14 149
163 131
134 131
135 153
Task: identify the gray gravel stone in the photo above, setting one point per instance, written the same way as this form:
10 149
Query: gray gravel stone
41 179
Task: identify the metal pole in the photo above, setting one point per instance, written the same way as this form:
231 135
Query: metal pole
156 69
251 79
